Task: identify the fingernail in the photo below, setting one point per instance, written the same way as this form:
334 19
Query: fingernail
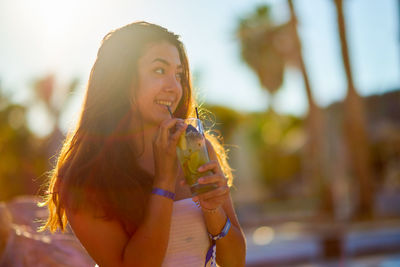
200 168
200 180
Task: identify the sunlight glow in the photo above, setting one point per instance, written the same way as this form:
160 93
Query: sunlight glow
62 37
263 235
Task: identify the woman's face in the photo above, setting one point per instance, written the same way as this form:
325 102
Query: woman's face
159 83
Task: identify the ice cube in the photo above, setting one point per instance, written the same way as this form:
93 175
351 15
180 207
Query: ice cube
191 128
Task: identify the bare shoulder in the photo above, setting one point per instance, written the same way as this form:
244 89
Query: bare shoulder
103 239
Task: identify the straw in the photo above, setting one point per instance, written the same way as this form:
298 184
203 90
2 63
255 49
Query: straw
170 112
200 125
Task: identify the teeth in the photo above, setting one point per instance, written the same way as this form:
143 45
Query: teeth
163 102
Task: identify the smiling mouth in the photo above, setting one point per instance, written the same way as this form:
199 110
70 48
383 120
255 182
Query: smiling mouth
164 103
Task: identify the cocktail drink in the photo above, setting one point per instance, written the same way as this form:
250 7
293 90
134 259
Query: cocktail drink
192 153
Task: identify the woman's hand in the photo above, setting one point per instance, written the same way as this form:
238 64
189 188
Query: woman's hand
214 199
164 152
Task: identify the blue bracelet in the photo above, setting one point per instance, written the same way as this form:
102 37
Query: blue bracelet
164 193
211 253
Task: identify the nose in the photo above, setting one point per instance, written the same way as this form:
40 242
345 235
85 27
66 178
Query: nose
172 84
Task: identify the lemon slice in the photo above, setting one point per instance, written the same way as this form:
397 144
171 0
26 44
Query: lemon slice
182 142
194 161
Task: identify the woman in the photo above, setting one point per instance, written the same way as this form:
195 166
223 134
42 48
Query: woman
117 180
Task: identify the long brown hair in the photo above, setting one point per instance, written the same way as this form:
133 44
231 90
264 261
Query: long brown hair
96 166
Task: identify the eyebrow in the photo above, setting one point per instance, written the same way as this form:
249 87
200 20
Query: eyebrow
165 62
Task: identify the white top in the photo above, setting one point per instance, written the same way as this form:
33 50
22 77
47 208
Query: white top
188 238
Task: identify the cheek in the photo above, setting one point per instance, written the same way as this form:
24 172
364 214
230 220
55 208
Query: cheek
146 90
145 99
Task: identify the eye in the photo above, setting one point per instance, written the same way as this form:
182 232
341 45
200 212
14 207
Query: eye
159 70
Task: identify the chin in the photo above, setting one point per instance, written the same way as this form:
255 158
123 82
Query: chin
157 120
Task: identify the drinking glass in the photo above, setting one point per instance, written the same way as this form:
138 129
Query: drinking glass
192 153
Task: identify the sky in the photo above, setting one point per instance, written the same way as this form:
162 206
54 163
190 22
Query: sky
62 37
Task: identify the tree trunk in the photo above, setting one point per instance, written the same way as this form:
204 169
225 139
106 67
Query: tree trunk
355 127
314 153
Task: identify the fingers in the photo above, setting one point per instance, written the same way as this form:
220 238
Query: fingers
214 178
181 127
212 165
213 195
166 127
169 123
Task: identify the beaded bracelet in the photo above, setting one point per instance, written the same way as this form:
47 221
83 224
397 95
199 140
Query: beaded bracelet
211 253
163 193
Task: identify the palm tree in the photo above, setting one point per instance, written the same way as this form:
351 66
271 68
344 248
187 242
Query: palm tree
55 99
256 34
267 49
315 126
355 126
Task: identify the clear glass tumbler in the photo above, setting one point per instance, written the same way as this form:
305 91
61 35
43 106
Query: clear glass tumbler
192 153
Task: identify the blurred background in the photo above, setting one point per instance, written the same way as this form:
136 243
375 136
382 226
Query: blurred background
305 94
